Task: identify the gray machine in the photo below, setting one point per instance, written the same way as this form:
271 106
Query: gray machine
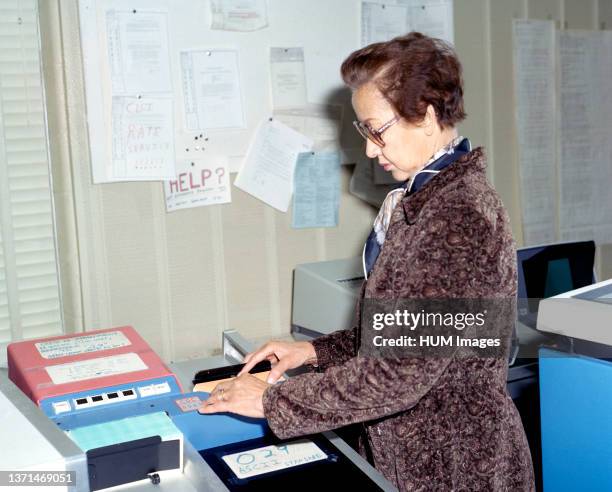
324 296
30 442
583 313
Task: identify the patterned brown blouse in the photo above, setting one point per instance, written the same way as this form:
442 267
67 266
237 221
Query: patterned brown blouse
429 423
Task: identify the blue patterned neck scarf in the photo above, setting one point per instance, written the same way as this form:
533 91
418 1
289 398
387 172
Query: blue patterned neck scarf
441 159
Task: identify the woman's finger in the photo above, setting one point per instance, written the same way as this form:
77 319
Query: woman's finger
216 407
257 357
219 393
221 387
221 397
277 371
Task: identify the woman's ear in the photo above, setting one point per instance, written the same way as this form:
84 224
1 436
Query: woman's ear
430 121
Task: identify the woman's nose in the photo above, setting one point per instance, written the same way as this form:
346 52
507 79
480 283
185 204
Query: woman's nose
372 150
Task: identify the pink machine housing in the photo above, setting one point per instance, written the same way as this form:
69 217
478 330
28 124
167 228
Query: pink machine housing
31 363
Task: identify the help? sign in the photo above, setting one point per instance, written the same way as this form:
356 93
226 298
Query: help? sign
199 182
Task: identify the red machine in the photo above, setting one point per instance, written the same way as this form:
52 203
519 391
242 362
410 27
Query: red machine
51 367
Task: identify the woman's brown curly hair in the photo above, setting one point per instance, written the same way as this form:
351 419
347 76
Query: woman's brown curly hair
411 72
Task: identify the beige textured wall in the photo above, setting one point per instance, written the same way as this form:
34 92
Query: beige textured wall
483 38
182 278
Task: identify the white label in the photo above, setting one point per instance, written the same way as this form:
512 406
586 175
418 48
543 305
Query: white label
161 388
146 390
271 458
154 389
95 368
61 406
65 347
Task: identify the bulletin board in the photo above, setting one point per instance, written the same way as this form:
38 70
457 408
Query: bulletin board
326 30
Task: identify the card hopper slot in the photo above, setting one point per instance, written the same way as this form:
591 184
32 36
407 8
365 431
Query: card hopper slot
208 375
134 460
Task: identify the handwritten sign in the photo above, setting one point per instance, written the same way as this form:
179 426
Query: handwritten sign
143 138
271 458
198 182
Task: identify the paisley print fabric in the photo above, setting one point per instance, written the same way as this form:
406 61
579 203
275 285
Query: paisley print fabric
428 423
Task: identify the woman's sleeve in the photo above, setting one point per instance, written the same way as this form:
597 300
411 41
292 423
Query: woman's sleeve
367 388
363 388
338 347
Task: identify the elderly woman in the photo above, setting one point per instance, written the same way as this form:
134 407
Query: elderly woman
443 423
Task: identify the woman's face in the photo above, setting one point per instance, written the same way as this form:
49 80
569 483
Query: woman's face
407 146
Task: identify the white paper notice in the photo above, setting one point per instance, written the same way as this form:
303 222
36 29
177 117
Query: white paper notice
95 368
211 89
138 55
267 170
320 122
270 458
585 195
199 182
288 77
382 22
534 82
143 138
238 15
66 347
431 17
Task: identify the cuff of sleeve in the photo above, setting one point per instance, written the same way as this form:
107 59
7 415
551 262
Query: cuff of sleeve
273 412
324 357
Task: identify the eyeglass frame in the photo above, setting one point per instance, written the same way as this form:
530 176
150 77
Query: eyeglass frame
375 136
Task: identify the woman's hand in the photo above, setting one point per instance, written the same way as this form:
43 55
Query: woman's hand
282 355
242 395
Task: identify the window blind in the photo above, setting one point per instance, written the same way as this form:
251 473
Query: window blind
29 287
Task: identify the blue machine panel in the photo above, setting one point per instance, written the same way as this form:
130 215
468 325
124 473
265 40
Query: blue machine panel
101 399
576 413
203 431
212 430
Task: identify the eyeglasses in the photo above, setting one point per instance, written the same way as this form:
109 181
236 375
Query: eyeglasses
367 132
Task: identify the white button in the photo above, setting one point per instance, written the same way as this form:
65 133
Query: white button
61 406
147 390
162 388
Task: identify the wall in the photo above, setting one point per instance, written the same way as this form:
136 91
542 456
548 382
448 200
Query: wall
483 38
182 278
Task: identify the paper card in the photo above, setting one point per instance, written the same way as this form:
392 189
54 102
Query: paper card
271 458
138 54
209 386
238 15
267 170
211 89
320 122
535 52
382 22
431 17
199 182
288 77
316 198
